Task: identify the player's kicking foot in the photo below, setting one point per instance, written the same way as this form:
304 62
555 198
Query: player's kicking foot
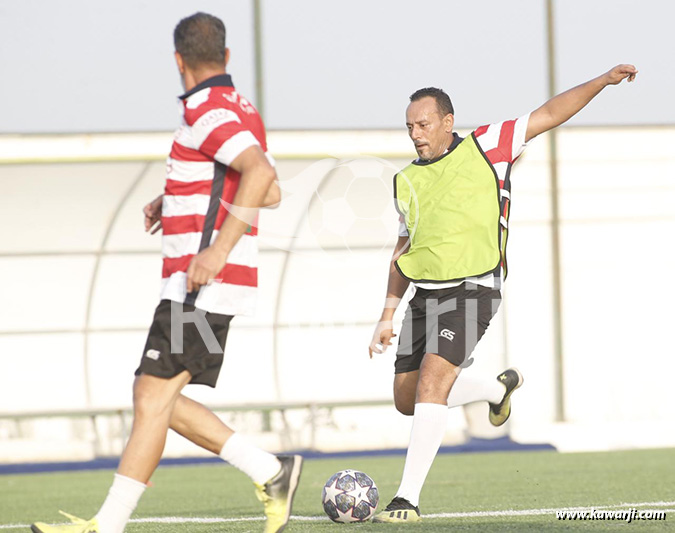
500 412
78 526
277 494
398 510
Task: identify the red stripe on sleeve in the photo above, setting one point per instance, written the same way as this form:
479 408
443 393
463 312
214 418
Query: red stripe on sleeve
218 137
505 144
480 131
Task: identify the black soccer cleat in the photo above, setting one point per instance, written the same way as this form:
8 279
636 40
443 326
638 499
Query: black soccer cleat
398 510
500 412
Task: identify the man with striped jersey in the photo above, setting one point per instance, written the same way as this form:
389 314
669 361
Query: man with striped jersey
218 175
454 206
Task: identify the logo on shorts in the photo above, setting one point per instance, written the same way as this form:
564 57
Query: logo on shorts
152 354
450 335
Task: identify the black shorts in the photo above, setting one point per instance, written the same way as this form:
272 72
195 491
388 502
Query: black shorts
447 322
200 353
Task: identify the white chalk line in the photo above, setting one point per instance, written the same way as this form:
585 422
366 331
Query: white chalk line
468 514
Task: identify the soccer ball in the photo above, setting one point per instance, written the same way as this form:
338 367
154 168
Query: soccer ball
350 496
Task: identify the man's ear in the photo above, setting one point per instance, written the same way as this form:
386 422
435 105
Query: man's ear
227 56
179 62
448 122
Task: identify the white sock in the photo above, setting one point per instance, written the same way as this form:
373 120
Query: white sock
469 388
120 503
257 464
429 424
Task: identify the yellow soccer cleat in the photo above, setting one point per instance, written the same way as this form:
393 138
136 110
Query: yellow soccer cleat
500 412
277 494
398 510
78 526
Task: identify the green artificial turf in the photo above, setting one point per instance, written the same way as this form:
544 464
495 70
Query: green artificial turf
464 483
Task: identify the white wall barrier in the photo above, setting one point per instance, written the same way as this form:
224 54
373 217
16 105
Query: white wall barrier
81 282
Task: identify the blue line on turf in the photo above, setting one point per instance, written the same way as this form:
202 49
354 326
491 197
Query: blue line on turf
473 445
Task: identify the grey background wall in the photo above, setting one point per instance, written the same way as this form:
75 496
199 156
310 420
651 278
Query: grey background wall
80 65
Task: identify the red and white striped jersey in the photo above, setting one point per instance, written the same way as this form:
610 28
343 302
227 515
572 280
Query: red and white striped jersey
218 124
502 144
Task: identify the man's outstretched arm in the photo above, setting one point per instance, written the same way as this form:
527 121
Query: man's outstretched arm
564 106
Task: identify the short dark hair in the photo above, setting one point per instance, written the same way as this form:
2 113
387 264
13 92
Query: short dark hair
200 40
442 99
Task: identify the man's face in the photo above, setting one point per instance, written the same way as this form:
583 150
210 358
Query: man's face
431 133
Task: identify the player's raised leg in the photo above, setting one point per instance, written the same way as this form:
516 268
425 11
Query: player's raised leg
469 387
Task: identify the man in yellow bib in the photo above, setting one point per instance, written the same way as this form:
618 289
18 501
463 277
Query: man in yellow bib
454 206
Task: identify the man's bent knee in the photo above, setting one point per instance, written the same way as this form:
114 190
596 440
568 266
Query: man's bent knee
405 407
153 395
405 387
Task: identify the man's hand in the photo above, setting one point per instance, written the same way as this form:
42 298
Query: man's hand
620 73
153 215
384 332
204 267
